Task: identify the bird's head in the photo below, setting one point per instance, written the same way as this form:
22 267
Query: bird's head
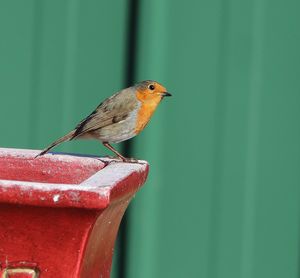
150 91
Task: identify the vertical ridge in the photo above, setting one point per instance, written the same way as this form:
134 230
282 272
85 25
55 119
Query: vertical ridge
252 135
219 126
129 78
70 65
35 79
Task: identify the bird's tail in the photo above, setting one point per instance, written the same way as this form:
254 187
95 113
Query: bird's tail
65 138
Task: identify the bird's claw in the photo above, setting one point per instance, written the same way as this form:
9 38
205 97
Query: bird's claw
111 159
130 160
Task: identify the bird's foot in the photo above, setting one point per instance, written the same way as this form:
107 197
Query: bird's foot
130 160
115 159
127 159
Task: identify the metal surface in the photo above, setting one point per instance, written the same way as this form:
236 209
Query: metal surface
223 194
222 200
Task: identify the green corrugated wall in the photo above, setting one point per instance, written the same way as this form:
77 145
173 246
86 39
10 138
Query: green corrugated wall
222 198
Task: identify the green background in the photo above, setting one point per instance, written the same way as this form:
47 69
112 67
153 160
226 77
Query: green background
222 197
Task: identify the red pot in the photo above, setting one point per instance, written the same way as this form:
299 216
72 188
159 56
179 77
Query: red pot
59 214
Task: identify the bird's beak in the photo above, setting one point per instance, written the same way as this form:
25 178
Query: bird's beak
166 94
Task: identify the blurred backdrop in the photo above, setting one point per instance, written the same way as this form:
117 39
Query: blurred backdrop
222 198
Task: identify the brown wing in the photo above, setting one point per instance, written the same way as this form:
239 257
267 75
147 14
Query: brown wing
112 110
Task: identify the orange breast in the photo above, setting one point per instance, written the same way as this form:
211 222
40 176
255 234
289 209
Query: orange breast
144 114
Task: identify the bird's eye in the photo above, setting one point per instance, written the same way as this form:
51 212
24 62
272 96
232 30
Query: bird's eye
151 87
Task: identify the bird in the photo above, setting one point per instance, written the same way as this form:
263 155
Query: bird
119 117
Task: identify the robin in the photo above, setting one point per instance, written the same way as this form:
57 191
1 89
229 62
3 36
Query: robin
119 117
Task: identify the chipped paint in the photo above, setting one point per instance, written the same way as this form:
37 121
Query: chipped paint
56 198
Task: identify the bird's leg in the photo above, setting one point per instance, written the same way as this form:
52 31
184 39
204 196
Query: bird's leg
107 145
